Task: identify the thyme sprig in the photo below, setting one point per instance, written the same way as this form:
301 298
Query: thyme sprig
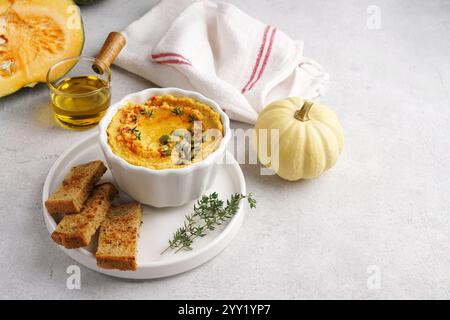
136 132
178 111
146 112
209 212
192 118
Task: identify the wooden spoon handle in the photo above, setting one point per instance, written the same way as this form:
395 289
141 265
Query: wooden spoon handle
109 51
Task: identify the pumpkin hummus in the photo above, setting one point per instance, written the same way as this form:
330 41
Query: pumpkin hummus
165 132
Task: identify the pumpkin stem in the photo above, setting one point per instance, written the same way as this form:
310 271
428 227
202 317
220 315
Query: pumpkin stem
302 114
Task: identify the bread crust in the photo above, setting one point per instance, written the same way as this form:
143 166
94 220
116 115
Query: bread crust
119 232
76 230
75 189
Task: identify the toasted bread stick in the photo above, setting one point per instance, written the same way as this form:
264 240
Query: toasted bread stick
75 189
119 232
76 230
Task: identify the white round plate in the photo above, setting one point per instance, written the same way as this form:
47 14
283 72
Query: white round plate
158 223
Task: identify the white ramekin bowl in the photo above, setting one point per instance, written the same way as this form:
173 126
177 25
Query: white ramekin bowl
165 187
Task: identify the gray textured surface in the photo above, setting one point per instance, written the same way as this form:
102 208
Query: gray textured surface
386 202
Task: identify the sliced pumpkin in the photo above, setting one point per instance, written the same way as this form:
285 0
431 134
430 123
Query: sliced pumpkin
35 34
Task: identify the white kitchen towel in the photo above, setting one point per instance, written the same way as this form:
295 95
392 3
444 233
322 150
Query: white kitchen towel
221 52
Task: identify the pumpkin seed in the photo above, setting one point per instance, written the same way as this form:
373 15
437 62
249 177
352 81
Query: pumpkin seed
164 139
165 150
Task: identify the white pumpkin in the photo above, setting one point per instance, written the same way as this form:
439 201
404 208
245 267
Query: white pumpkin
310 138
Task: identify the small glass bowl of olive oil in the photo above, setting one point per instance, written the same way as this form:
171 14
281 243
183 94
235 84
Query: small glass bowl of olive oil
81 96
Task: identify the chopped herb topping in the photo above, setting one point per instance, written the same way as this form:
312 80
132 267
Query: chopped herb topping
177 111
146 112
136 132
192 118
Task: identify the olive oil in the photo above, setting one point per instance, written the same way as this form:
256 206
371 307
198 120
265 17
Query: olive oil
81 101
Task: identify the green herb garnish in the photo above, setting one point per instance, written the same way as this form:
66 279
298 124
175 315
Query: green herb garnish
177 111
192 118
146 112
209 212
136 132
164 139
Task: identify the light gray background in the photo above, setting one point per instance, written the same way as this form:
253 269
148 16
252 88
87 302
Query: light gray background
386 203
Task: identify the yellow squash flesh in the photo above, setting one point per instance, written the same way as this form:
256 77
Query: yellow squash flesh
310 138
35 34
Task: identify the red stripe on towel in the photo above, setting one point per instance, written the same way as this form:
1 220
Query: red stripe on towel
169 54
258 59
174 61
266 58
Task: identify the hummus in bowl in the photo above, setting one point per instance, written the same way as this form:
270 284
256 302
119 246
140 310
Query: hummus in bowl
165 132
163 145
